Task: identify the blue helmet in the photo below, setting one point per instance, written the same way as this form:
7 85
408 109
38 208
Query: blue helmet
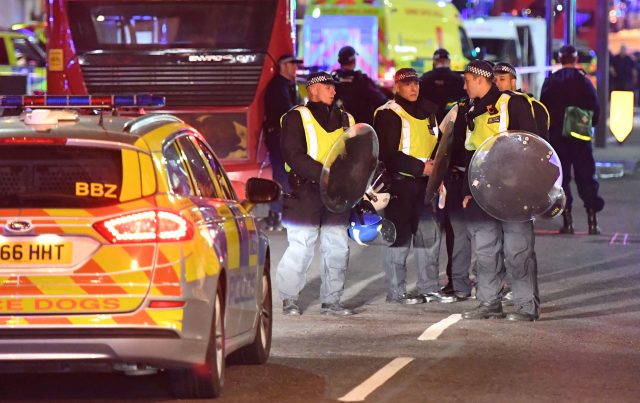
364 226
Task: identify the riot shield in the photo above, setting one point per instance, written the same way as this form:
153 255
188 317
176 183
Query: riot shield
515 175
349 168
441 162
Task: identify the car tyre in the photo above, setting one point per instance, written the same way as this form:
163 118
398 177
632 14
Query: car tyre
258 351
205 380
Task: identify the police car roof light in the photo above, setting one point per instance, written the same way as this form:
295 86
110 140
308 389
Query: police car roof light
81 101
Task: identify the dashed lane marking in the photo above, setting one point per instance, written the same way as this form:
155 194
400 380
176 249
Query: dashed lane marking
434 331
360 392
619 238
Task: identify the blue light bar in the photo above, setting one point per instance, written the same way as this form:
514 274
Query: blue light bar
82 101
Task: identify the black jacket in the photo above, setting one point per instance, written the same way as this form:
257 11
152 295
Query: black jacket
568 87
304 204
442 86
359 95
280 96
407 202
388 126
520 118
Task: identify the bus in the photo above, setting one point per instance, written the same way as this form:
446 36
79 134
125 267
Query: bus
211 59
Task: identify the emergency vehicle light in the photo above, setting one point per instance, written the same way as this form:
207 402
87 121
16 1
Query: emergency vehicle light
81 101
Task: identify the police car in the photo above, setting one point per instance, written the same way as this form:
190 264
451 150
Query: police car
124 246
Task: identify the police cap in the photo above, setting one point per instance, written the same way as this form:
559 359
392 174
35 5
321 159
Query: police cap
441 54
568 51
480 68
320 77
289 58
406 75
346 55
504 68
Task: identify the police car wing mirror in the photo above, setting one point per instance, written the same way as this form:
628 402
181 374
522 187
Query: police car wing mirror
260 190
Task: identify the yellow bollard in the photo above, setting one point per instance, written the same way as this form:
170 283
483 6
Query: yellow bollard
621 114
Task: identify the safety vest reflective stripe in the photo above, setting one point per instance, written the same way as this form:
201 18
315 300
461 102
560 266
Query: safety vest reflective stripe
502 127
406 128
310 131
580 136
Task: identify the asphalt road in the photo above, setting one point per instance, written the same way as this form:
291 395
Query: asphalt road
585 347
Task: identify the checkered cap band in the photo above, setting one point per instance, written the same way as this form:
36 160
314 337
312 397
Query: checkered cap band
503 68
323 78
478 71
404 75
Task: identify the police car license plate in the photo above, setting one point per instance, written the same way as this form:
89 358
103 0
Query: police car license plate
35 252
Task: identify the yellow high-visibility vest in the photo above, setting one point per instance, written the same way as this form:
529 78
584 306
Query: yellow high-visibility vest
319 141
419 136
488 125
532 101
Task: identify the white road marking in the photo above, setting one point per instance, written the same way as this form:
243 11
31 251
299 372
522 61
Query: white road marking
434 331
360 392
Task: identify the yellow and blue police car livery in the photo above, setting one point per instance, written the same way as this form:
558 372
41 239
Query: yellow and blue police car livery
118 234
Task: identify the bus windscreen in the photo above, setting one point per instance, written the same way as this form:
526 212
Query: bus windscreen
217 24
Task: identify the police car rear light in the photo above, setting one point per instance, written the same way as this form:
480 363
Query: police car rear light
147 226
33 141
166 304
81 101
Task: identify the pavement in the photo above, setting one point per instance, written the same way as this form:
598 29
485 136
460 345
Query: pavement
627 153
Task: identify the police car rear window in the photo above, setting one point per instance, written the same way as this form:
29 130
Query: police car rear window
34 176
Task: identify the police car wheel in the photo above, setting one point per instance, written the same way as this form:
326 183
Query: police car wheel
205 380
258 351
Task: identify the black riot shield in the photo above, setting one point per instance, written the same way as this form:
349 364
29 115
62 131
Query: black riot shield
515 175
441 161
349 168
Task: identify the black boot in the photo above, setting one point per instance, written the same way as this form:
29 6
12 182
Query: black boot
567 226
593 222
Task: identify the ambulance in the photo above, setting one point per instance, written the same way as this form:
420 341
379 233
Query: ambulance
387 35
515 40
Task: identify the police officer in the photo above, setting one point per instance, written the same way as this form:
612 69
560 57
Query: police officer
460 259
442 86
308 133
357 93
493 112
407 136
280 96
505 78
570 86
